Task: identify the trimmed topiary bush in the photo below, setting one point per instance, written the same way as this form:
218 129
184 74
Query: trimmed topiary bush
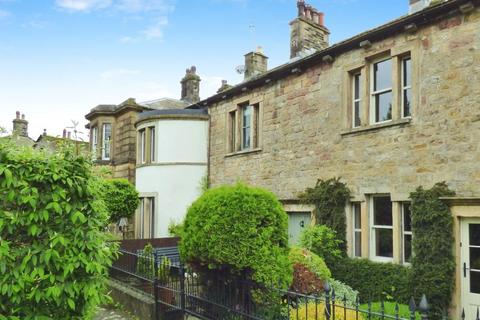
374 281
121 198
54 255
322 240
329 197
238 230
433 262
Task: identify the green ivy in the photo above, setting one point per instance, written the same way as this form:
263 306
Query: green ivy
54 255
433 261
329 198
121 198
238 229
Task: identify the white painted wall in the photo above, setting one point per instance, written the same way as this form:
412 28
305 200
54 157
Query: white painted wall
181 164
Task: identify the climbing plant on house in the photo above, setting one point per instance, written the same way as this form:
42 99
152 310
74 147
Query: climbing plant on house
329 198
54 256
433 263
121 198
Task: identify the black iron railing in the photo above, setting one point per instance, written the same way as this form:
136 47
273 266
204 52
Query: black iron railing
178 291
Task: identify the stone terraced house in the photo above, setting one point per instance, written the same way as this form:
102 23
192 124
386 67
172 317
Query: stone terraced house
388 110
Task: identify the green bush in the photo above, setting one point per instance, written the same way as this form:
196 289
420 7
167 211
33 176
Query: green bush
146 262
343 291
389 309
329 198
374 281
311 261
322 241
241 230
54 256
121 198
433 262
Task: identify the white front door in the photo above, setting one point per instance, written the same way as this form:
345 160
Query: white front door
297 222
470 267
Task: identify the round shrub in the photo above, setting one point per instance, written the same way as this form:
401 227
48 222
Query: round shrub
311 261
241 230
323 241
54 257
121 198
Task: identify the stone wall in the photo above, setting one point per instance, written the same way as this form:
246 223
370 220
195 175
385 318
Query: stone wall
305 131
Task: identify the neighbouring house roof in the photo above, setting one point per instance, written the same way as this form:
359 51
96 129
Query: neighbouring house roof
19 140
165 103
185 114
53 142
402 24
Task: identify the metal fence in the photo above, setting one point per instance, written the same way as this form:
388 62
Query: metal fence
178 291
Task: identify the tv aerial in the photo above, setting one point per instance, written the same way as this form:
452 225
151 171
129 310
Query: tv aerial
240 69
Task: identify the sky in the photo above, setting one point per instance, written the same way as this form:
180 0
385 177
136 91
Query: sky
60 58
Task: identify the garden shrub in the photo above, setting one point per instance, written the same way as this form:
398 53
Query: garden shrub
146 262
343 292
433 262
306 281
311 261
374 281
121 198
329 198
238 230
389 309
316 311
54 255
322 240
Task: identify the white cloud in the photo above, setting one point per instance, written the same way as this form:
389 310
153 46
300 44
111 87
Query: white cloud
83 5
155 31
116 73
136 6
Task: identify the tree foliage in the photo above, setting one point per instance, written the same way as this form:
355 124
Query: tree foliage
322 241
54 257
329 198
433 262
121 198
241 230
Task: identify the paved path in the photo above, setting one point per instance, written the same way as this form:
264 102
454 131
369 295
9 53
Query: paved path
111 314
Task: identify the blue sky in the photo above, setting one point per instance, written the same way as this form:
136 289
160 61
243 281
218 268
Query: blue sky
60 58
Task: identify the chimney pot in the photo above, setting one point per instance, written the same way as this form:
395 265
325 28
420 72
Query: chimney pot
44 132
18 115
69 135
23 117
64 134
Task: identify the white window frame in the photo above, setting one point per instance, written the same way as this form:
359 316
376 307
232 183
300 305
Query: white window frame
356 230
405 87
152 145
106 144
250 128
374 93
142 216
142 145
373 227
404 232
355 100
94 142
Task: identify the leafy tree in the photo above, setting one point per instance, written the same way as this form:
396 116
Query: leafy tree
240 230
329 198
54 257
323 241
121 198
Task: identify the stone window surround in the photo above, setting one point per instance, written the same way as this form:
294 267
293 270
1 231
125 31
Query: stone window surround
257 119
397 54
366 235
152 215
98 123
147 129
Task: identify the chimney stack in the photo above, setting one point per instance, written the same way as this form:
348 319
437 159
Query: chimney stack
20 125
308 32
418 5
255 63
64 134
44 132
191 86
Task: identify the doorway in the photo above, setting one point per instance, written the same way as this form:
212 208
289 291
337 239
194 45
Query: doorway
470 266
297 222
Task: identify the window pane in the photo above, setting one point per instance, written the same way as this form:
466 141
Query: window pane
357 215
383 106
407 75
407 98
358 244
407 220
382 211
384 243
407 247
152 144
246 127
356 94
358 122
475 258
474 234
233 127
475 282
383 75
